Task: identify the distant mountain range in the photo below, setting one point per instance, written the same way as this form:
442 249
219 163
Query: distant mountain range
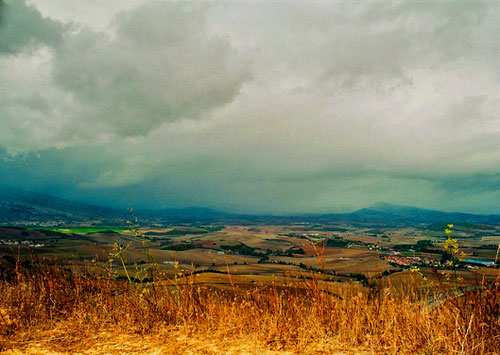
18 205
381 211
22 207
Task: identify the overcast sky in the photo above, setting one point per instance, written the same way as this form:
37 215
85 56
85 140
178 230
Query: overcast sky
262 106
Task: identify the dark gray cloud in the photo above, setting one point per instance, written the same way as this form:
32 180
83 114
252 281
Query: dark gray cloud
159 66
262 107
22 25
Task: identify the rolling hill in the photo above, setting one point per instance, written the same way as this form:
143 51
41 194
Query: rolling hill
17 205
20 207
383 211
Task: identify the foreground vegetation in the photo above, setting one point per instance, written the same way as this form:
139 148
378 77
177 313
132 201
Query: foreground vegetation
303 315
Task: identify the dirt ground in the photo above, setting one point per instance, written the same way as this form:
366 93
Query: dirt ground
171 342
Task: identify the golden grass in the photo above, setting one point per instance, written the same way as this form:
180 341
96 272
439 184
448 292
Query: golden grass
63 311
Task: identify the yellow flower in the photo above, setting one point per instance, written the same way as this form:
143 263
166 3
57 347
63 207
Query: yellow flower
450 225
447 231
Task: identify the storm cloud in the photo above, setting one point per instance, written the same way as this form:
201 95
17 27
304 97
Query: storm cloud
268 107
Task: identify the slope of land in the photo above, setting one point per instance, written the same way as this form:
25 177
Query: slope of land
23 208
47 308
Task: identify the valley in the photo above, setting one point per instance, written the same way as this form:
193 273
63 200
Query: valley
338 252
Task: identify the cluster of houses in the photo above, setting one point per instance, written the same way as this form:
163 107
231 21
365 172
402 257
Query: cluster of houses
173 262
27 243
46 224
403 261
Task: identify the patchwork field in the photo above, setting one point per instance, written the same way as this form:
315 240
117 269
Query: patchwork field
340 252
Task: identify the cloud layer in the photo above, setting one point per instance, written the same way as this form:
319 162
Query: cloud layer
259 107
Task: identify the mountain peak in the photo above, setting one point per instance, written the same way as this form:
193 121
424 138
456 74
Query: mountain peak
391 207
382 205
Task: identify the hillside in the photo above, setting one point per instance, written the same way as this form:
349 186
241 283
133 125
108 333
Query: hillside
383 211
23 207
17 206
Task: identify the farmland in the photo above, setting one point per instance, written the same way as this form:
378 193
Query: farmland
341 252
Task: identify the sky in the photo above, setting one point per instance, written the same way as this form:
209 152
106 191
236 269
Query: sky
275 107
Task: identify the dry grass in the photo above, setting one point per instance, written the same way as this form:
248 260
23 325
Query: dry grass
64 311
